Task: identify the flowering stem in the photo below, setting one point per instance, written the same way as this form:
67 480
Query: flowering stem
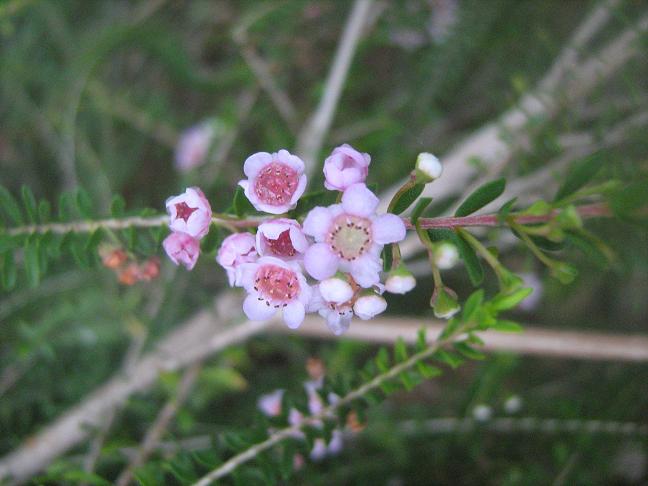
327 413
596 210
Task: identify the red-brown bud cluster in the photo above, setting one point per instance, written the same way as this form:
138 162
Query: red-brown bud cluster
128 270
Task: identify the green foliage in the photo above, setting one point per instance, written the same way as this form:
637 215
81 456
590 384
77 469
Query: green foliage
481 196
406 198
581 173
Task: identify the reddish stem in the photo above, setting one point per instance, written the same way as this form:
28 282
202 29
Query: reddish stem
588 211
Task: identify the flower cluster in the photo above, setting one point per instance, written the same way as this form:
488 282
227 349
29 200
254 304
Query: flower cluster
329 263
128 269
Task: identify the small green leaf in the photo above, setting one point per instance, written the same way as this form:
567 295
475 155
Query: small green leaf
241 204
382 360
428 371
506 326
44 211
481 197
10 206
8 271
67 206
421 205
32 268
581 173
400 350
421 339
84 203
468 351
503 302
471 261
29 201
472 305
407 198
388 257
506 209
450 359
630 198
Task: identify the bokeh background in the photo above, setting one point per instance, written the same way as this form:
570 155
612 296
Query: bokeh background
97 93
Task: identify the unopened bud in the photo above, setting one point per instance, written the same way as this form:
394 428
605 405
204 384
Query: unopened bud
369 305
150 269
444 302
564 272
446 255
336 290
129 275
428 168
400 281
112 257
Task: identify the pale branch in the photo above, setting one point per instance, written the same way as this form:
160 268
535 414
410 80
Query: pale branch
327 413
580 79
596 210
534 341
311 138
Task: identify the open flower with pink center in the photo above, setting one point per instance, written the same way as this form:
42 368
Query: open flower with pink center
236 249
283 238
182 249
274 181
274 285
350 237
190 213
345 167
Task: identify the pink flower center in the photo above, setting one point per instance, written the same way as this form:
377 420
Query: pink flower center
276 285
282 246
276 184
349 236
183 211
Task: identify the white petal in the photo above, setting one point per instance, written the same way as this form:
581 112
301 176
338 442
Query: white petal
359 200
293 314
298 239
368 306
366 271
388 228
335 290
301 187
291 160
255 162
257 310
338 322
320 262
317 223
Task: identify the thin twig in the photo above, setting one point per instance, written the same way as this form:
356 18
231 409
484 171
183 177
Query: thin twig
160 424
311 138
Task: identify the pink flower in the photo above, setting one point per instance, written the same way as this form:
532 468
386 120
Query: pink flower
321 449
190 213
345 167
350 237
270 404
282 238
182 248
236 249
273 285
275 181
193 146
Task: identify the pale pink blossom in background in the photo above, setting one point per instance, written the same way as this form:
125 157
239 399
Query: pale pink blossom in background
182 249
535 297
275 182
345 167
283 238
274 285
236 249
190 213
270 404
350 237
193 146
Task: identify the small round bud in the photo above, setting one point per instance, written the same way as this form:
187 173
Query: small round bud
428 168
400 281
482 413
446 255
513 404
369 305
336 290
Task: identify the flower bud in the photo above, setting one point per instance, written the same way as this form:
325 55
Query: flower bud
190 213
112 257
345 167
446 255
369 305
336 290
428 168
182 249
444 302
400 281
564 272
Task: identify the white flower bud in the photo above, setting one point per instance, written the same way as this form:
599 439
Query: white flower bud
482 413
400 281
446 256
513 404
428 167
369 306
336 290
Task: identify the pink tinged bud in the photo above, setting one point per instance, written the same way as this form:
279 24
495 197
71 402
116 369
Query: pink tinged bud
182 249
282 238
368 306
236 249
193 146
190 213
275 182
270 404
273 286
350 237
345 167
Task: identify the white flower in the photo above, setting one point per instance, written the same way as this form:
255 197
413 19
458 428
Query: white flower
369 306
400 281
428 167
